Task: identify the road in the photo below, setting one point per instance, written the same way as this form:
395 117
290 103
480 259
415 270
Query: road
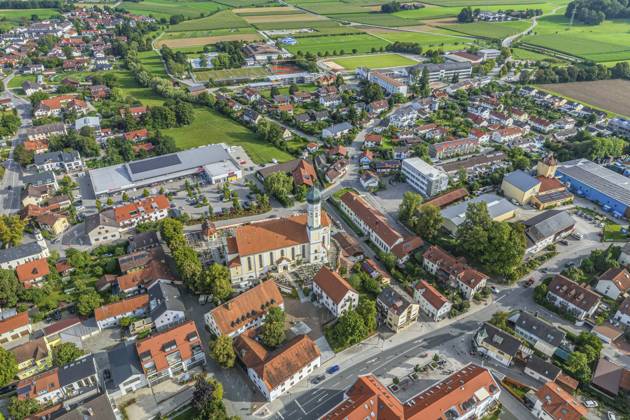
11 183
507 42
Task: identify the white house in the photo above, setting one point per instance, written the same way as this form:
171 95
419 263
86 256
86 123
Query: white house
110 315
613 283
623 312
433 303
166 307
336 130
334 292
572 297
11 257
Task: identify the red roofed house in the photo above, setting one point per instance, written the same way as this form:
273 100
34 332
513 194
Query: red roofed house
453 270
148 209
109 315
32 273
468 393
431 301
52 107
134 111
14 327
137 135
334 292
275 372
372 140
554 403
169 353
613 283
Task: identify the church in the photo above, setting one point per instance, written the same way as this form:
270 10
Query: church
279 245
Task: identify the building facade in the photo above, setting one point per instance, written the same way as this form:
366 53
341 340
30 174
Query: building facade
424 178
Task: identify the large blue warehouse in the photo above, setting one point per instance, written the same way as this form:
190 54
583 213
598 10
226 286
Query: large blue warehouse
594 182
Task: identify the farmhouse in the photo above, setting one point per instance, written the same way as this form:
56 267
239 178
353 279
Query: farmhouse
334 292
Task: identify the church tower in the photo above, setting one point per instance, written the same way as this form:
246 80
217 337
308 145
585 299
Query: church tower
547 167
317 234
314 203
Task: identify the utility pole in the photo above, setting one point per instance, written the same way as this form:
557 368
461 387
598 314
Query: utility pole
572 16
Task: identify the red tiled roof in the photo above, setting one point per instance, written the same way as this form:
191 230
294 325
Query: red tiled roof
619 277
183 338
32 270
122 307
140 208
431 294
61 325
39 384
333 285
304 173
549 184
136 134
58 102
371 217
448 198
14 322
559 404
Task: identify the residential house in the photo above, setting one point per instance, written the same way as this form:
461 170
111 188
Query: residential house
32 273
623 313
335 131
135 111
143 241
251 117
334 292
611 379
541 370
275 372
44 132
30 88
552 402
369 180
245 311
53 223
541 125
110 315
120 370
572 297
453 271
449 149
171 352
54 106
32 357
13 326
470 392
432 303
149 209
250 94
136 135
166 307
10 258
613 283
376 107
102 227
330 101
396 309
508 134
372 140
497 344
543 336
57 161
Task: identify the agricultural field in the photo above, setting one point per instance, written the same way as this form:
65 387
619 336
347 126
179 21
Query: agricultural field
279 19
609 41
210 127
224 19
245 3
491 30
522 54
512 3
374 61
445 41
379 19
168 8
315 24
194 44
362 43
152 63
608 95
231 74
13 17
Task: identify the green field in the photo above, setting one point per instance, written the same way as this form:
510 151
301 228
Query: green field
18 79
430 40
207 32
609 41
210 127
492 30
522 54
222 20
362 43
314 24
227 74
13 17
168 8
245 3
379 19
374 61
334 7
512 3
152 63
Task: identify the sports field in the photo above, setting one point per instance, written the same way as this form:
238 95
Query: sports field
609 41
209 127
375 61
609 95
328 44
231 74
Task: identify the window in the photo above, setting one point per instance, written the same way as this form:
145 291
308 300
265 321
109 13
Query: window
260 260
292 253
249 263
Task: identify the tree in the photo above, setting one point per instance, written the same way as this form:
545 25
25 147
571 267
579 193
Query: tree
409 205
10 287
89 301
577 365
472 235
216 280
37 97
188 264
500 320
223 351
11 230
208 399
171 230
428 221
273 329
22 156
350 329
280 185
367 310
505 248
8 366
466 15
21 409
66 353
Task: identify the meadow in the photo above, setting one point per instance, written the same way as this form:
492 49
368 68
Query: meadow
209 127
168 8
13 17
227 74
362 43
491 30
152 63
224 19
379 19
374 61
607 95
444 41
461 3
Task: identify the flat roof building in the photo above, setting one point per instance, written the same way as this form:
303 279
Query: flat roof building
499 210
214 160
426 179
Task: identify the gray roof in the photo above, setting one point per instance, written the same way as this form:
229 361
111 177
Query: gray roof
163 296
42 178
394 299
496 206
547 224
143 240
544 368
45 129
105 218
42 158
20 251
521 180
77 370
448 66
499 339
539 328
118 364
146 171
98 406
610 183
338 128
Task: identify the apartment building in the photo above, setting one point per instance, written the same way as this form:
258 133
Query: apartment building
432 303
453 271
334 292
150 209
245 311
110 315
58 161
570 296
170 353
423 177
388 83
452 148
497 344
543 336
396 309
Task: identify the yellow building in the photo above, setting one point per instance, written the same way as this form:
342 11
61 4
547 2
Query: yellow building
520 186
54 223
32 358
547 167
396 308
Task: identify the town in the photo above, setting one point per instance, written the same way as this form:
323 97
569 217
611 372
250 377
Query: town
259 209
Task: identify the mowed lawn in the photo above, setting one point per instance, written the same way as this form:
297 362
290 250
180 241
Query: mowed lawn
374 61
229 74
210 127
609 41
362 43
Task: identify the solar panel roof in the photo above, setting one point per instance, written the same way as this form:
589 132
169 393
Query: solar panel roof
154 163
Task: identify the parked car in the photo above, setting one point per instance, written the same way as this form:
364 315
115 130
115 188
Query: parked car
333 369
494 289
528 282
318 379
564 242
590 404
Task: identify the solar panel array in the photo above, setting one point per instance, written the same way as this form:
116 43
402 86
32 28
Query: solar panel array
155 163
